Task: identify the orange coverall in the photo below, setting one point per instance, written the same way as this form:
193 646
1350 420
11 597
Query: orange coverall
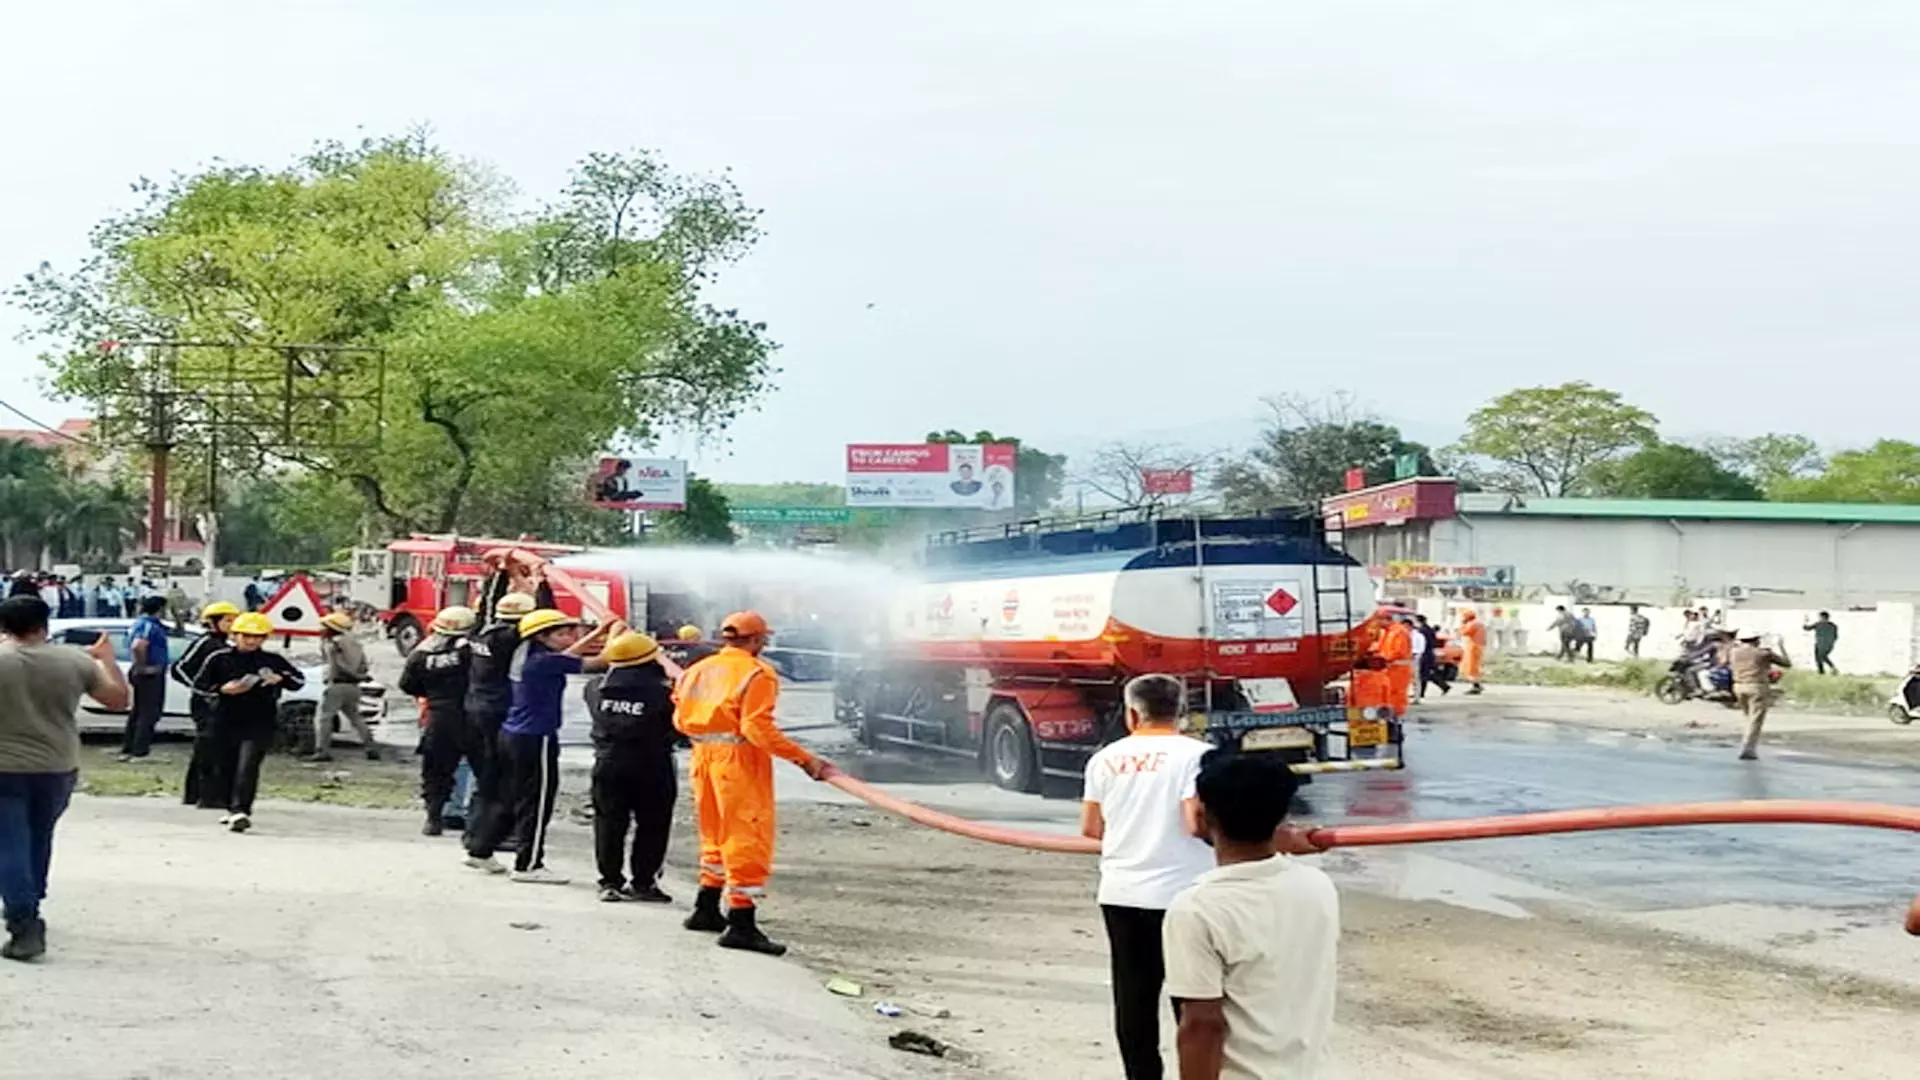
1473 640
1396 648
1371 686
725 705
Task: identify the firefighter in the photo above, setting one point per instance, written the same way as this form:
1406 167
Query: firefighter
633 776
551 648
690 647
726 705
1370 687
206 787
489 693
1396 648
246 680
1473 648
436 673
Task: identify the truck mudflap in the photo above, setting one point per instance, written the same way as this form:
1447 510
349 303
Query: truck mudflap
1318 739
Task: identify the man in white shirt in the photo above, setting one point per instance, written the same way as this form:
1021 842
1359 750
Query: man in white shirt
1250 947
1140 804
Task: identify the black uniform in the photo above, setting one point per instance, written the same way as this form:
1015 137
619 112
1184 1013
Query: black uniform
206 786
437 670
242 726
633 775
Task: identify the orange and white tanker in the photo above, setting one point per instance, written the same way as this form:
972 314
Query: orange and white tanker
1014 646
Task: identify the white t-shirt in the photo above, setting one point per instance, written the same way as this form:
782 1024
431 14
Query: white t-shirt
1262 935
1146 854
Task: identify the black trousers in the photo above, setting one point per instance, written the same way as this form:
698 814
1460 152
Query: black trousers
485 792
149 700
207 787
1823 662
530 774
632 788
1139 972
239 748
449 737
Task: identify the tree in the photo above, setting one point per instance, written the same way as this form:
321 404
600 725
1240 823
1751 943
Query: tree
1886 472
1548 439
1669 471
51 512
510 347
1117 471
1038 477
1769 460
707 518
787 494
1304 453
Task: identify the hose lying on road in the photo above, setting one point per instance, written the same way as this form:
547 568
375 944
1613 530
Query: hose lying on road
1663 815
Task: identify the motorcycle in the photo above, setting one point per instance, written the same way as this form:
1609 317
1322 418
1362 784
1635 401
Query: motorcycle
1904 707
1682 683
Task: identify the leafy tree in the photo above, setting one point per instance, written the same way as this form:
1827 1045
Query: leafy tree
788 494
1669 471
1886 472
1038 477
50 512
706 519
1548 439
511 348
1770 460
1306 450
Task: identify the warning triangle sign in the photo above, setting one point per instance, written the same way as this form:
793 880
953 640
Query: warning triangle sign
295 609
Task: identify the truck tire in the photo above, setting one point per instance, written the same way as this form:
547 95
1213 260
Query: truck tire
295 723
405 632
1007 750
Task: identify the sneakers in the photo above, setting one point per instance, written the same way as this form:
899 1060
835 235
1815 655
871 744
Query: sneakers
611 895
649 895
706 915
475 862
744 934
540 875
239 823
26 940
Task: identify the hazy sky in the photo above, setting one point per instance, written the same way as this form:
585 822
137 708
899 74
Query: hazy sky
1078 220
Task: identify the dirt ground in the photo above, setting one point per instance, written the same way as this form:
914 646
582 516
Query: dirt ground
1009 942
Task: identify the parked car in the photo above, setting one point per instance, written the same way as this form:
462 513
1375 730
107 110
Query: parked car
296 706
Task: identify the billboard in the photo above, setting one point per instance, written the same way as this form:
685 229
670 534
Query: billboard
624 483
1166 481
947 476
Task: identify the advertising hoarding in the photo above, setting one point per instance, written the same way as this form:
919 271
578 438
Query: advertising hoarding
1166 481
624 483
945 476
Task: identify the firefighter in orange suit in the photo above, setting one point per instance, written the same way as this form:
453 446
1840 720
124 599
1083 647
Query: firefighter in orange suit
1370 687
725 707
1396 648
1473 648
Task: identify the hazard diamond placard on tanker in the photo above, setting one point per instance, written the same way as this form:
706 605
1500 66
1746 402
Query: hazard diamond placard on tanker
1257 610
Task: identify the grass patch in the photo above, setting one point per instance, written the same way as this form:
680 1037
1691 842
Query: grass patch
389 784
1860 694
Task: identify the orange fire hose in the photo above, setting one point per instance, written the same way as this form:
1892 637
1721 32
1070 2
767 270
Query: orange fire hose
1660 815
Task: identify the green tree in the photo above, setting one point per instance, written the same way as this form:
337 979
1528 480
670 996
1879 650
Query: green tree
51 512
1547 440
1669 471
707 518
1306 449
1038 477
1886 472
1772 460
511 348
787 494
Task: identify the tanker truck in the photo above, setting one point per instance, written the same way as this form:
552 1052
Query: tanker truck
1013 645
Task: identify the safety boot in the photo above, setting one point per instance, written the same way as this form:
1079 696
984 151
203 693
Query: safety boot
744 933
26 940
433 827
706 912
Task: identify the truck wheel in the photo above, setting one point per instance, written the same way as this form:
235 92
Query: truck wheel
1011 757
295 721
406 635
1670 691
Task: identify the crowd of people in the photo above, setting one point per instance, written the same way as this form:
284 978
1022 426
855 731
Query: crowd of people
103 597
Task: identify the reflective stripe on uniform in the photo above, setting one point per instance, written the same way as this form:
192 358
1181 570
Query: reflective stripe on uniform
719 737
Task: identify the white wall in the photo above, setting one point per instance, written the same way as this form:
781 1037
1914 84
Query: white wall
1792 565
1881 641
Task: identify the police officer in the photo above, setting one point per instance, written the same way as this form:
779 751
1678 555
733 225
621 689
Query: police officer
489 694
633 776
436 673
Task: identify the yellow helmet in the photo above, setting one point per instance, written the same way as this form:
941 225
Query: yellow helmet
253 624
630 648
337 620
457 619
544 619
514 605
217 609
690 632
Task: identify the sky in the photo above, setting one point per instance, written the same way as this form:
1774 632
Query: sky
1082 221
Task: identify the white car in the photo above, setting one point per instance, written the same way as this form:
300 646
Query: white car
296 706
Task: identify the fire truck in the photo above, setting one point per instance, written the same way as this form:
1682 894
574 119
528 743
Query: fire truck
1015 644
405 583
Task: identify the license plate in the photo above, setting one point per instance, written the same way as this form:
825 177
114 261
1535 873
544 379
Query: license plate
1286 738
1366 732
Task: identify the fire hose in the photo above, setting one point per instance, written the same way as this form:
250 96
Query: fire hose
1326 838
